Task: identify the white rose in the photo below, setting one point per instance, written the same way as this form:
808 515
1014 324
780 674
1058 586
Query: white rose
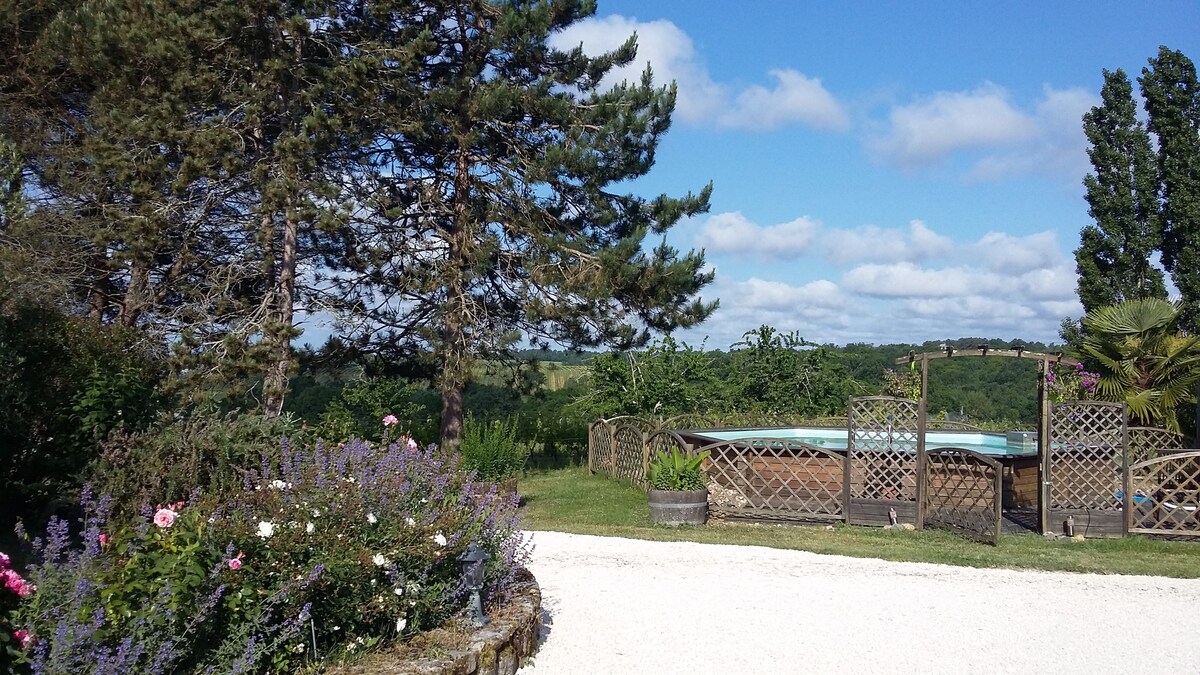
379 560
401 623
265 529
408 520
439 538
372 519
310 528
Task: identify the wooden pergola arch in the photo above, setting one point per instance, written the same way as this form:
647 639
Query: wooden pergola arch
1045 363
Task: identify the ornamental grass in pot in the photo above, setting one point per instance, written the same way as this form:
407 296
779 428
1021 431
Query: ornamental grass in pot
677 494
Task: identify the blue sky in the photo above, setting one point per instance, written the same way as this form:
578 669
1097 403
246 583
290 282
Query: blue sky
885 172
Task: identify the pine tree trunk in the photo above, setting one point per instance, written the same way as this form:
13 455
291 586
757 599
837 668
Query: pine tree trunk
275 381
136 295
455 359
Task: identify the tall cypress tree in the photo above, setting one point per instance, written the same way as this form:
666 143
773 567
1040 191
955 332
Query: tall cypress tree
1172 96
1113 259
496 211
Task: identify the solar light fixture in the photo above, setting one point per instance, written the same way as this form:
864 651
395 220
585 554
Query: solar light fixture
473 560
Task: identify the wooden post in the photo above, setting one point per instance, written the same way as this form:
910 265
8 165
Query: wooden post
645 455
591 447
922 413
846 465
1127 501
1044 367
612 454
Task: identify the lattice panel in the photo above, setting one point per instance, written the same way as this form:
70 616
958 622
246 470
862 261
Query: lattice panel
1087 455
1166 498
630 449
600 436
1144 442
882 448
775 478
640 423
963 493
665 441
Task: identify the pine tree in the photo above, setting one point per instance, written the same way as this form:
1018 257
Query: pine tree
1114 257
493 212
1172 95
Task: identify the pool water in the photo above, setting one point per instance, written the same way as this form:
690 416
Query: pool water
984 442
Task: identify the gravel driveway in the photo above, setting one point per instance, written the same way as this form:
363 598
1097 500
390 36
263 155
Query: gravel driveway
627 606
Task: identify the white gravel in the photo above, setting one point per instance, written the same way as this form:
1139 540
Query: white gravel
627 606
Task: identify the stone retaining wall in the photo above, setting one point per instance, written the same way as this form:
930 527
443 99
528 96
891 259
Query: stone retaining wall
499 648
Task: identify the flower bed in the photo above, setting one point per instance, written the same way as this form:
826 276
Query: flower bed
325 550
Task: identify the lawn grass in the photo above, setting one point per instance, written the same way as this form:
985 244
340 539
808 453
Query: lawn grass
573 500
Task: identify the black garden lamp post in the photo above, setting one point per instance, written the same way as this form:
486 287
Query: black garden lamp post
472 561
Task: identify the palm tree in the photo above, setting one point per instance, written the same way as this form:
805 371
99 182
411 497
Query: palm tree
1143 359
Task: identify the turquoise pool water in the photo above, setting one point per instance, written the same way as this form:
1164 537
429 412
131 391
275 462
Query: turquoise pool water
985 442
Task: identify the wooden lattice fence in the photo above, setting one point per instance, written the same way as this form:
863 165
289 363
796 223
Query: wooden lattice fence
882 453
775 479
623 446
600 444
963 493
1144 442
1166 494
629 451
1086 467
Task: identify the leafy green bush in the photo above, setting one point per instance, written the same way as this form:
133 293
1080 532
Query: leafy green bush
361 405
492 451
676 471
65 382
172 459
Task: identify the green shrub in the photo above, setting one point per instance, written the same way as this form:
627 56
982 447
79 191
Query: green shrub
172 459
676 471
359 408
65 382
491 449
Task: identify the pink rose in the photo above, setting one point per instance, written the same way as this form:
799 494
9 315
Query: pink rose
103 539
5 561
16 584
412 444
164 518
390 421
235 564
23 638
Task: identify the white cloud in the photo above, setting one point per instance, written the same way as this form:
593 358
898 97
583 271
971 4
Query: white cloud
879 244
781 297
906 280
734 233
1002 252
896 284
1000 138
925 131
794 99
1059 148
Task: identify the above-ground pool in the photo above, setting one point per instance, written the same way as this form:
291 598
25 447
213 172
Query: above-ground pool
1013 443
